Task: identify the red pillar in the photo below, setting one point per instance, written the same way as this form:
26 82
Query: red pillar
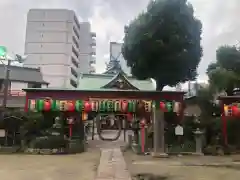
26 103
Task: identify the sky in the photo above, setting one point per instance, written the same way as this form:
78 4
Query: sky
108 17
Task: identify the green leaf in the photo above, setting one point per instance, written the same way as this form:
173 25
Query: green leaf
163 43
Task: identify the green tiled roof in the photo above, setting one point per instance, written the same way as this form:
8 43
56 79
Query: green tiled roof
96 81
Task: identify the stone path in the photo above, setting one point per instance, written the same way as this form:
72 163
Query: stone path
112 165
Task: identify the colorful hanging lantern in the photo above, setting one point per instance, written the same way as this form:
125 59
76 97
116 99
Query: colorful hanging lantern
131 106
102 106
70 106
84 116
32 104
94 106
117 106
225 107
162 106
55 105
79 105
140 105
124 105
63 105
87 106
110 106
234 110
176 107
169 106
47 105
148 106
40 105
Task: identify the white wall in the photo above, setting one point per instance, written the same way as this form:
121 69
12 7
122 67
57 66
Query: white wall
18 85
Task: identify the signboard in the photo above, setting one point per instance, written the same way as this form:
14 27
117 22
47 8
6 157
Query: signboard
179 130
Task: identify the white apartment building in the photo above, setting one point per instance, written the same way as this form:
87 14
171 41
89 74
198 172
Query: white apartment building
53 44
87 46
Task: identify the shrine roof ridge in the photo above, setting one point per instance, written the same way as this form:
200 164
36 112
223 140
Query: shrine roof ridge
110 75
99 90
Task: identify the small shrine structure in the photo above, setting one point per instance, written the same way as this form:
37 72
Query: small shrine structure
230 106
112 92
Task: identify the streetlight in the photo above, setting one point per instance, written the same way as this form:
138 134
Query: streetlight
4 57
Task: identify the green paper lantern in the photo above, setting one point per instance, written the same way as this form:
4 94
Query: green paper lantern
79 105
110 106
131 106
40 105
102 106
54 105
169 106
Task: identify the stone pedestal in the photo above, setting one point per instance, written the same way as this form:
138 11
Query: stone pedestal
199 141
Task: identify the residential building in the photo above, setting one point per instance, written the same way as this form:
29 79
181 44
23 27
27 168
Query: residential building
20 78
53 45
87 46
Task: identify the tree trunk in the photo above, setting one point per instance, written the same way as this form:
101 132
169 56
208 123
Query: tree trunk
159 86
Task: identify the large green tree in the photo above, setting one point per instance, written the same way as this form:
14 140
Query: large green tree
224 74
163 43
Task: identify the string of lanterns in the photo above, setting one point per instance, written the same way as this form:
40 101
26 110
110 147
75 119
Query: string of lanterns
98 105
232 109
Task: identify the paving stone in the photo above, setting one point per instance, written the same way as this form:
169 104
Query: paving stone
112 165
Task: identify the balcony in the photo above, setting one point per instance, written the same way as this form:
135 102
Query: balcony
73 83
74 72
93 60
93 43
92 70
93 51
93 34
74 62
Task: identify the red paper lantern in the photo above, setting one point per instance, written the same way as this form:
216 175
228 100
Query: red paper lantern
124 105
87 106
235 111
47 105
70 106
162 105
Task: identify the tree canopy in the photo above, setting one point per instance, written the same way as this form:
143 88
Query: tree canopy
163 43
224 74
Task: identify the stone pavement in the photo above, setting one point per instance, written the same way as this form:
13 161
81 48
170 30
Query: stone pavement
112 165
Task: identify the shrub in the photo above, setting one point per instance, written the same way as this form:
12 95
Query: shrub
49 142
